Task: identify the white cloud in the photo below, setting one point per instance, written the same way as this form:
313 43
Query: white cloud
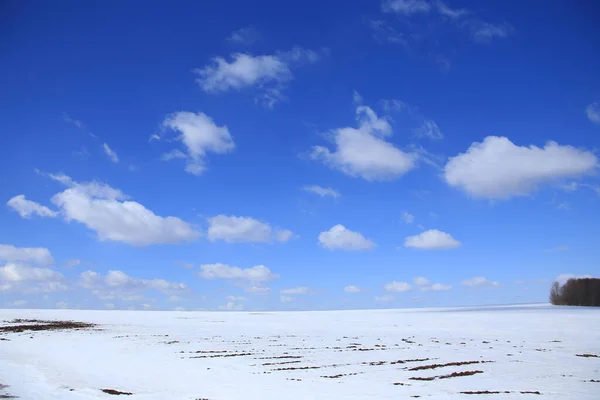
110 153
593 112
27 208
449 12
103 210
322 191
432 240
340 238
62 305
247 35
437 287
38 255
384 299
407 217
406 7
257 290
286 299
296 290
244 229
484 32
363 151
427 286
498 169
352 289
18 303
72 262
20 273
479 281
397 287
231 306
174 299
109 306
258 273
235 298
200 135
421 281
21 278
573 186
179 309
118 285
429 129
269 73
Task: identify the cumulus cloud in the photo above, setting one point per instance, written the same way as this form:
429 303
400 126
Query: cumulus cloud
322 191
427 286
27 208
200 135
364 151
499 169
286 299
479 281
269 73
22 278
296 290
593 112
258 273
244 229
352 289
257 290
231 306
107 212
341 238
407 217
406 7
384 299
110 153
37 255
397 287
118 285
432 239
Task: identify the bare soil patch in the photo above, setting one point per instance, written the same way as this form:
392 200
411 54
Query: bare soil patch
23 325
116 392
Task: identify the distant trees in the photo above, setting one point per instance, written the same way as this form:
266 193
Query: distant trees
576 292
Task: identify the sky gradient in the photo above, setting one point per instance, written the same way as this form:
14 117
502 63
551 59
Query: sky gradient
236 156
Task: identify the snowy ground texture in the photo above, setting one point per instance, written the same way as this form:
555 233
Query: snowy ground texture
391 354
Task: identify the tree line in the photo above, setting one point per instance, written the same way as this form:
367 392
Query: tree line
576 292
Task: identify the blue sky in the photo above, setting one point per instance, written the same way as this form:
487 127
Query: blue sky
233 156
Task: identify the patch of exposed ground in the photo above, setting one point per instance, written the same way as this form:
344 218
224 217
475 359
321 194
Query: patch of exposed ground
588 355
22 325
451 364
452 375
116 392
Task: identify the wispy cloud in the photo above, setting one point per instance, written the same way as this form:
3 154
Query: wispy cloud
593 112
246 36
110 153
322 191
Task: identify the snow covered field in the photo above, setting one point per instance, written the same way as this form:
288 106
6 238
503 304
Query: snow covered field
385 354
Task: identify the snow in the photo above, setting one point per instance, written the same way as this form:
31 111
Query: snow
149 353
